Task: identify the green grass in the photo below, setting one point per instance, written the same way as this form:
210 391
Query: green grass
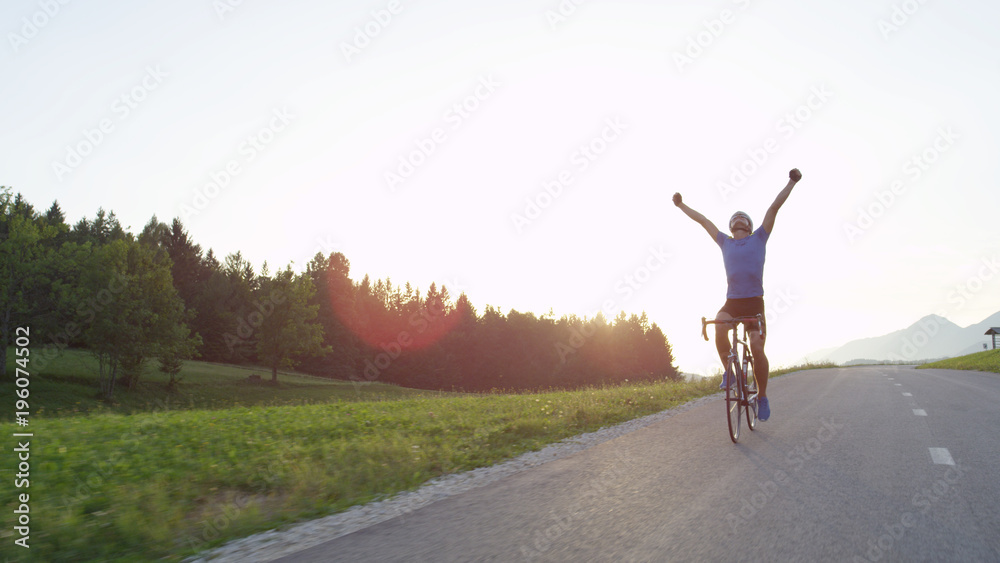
980 361
112 483
168 484
67 386
787 370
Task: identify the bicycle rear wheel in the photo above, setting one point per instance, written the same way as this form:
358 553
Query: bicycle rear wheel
751 396
733 406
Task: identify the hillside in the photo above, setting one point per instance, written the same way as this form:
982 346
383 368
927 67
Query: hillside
154 479
67 387
988 360
932 337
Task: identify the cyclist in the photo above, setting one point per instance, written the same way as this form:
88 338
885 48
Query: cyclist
743 255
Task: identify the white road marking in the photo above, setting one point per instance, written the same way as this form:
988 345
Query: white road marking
907 394
941 456
920 412
898 384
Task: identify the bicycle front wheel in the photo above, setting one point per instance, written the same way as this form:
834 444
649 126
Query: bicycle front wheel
733 406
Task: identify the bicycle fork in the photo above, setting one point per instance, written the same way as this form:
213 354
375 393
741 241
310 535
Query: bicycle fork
746 397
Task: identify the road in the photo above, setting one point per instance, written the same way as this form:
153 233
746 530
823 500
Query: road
879 463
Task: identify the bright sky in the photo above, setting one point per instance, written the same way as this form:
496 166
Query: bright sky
526 152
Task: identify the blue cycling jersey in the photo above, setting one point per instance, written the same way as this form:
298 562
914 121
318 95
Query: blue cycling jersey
744 260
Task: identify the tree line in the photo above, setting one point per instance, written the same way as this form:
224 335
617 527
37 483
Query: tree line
158 297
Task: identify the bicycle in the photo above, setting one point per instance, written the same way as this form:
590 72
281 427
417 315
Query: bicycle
741 388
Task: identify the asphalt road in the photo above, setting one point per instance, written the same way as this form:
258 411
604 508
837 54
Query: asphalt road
853 466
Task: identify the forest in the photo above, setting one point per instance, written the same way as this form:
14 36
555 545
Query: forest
157 298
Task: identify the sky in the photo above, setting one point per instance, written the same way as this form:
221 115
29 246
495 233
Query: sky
525 153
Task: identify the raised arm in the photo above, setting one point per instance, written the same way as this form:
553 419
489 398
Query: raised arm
793 178
697 217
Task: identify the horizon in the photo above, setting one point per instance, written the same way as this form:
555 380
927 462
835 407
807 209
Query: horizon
819 355
526 153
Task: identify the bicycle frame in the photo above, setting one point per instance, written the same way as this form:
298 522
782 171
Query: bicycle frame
741 390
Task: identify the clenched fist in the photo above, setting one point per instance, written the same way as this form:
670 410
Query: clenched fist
677 199
795 175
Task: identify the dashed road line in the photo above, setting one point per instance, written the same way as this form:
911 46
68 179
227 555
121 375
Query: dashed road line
941 456
920 412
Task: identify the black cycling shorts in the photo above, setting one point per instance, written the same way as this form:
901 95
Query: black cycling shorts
747 307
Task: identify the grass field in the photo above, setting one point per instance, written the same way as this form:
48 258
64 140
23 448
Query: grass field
980 361
222 459
68 387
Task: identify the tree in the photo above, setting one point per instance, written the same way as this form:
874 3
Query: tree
334 298
657 356
154 233
178 347
102 230
22 255
54 217
215 320
189 268
237 310
287 328
458 346
131 312
55 297
39 271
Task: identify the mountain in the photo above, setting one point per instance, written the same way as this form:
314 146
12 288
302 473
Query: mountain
932 337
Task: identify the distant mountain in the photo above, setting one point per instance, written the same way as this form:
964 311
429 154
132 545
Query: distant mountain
932 337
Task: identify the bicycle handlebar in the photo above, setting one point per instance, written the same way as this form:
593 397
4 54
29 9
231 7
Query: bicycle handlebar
733 321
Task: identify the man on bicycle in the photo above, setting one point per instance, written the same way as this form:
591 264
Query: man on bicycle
743 255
